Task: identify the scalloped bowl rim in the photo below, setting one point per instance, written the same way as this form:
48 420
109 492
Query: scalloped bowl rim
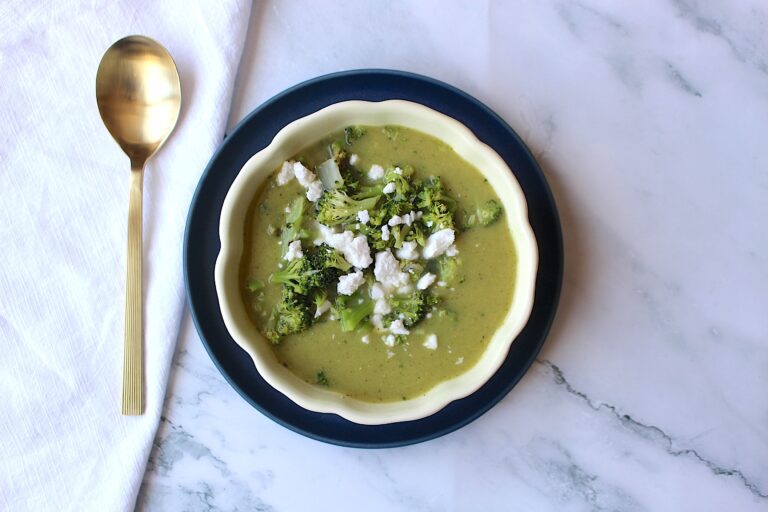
292 139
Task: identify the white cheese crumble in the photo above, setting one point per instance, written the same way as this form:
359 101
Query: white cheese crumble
348 284
287 209
409 251
323 233
387 271
363 216
397 327
389 188
376 172
385 233
353 159
389 340
438 243
430 342
442 284
308 180
294 251
390 354
395 220
322 308
409 217
425 281
365 339
286 173
354 248
459 360
398 171
452 251
376 320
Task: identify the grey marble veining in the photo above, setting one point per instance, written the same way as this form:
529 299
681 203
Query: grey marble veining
649 123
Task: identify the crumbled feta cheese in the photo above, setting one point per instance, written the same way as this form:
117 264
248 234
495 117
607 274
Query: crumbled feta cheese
398 170
431 342
459 360
303 175
376 320
405 290
385 233
287 209
389 340
365 339
348 284
397 327
294 251
286 173
438 242
315 190
419 215
389 188
353 159
376 291
381 307
376 172
409 217
390 354
429 315
363 216
387 271
322 308
308 180
452 251
324 233
395 220
425 281
429 223
442 284
409 251
354 248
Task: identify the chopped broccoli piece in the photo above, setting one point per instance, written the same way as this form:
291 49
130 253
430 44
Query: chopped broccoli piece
392 132
335 207
436 204
351 311
254 285
300 276
322 379
329 174
447 314
438 217
412 308
325 257
353 133
402 181
485 214
449 270
293 220
291 315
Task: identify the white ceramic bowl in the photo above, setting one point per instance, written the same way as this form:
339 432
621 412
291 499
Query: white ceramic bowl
289 141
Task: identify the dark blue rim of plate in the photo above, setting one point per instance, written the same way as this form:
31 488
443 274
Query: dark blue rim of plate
256 131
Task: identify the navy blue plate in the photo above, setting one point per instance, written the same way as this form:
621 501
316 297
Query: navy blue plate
201 246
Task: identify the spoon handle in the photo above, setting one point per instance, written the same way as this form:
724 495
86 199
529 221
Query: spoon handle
133 375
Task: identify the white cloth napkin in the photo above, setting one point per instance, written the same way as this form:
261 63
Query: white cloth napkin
64 196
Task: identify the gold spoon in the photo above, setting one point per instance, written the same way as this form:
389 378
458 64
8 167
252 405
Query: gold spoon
139 96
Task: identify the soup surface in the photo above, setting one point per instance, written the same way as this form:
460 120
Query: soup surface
375 362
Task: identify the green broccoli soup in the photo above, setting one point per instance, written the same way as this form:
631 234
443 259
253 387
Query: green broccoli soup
378 263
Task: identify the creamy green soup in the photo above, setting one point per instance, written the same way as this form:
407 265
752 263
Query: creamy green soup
365 363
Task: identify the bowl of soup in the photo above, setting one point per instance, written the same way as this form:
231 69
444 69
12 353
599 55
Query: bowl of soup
376 261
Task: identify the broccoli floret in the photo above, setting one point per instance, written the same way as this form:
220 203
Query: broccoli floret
326 257
300 276
485 214
335 207
412 308
352 310
254 285
293 220
449 270
401 179
438 217
353 133
291 315
322 379
392 132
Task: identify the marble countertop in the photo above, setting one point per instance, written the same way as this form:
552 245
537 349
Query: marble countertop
650 123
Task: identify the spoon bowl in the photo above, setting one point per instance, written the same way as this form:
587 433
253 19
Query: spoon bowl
138 93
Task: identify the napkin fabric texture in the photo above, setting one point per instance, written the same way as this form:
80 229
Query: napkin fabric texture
63 443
